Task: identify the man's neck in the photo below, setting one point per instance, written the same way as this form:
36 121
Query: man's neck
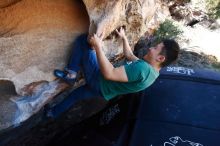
154 65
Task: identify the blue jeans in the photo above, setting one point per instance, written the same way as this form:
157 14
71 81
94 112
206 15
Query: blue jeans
82 57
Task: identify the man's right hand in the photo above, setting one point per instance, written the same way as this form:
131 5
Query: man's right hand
126 47
121 32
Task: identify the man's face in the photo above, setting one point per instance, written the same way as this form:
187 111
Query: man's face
154 55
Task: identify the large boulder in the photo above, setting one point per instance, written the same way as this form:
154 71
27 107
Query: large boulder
6 3
137 16
36 38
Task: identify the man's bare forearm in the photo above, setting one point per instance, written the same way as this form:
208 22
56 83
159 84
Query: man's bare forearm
126 47
127 50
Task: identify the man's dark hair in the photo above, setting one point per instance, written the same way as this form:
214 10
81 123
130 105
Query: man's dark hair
170 51
141 47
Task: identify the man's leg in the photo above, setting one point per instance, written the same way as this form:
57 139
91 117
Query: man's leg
74 65
91 69
81 93
77 53
86 57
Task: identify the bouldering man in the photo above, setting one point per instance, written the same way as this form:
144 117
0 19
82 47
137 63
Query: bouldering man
102 78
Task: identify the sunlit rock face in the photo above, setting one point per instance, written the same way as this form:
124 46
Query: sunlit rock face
137 16
36 37
6 3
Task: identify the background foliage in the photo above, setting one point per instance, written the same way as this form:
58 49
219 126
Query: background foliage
167 30
213 7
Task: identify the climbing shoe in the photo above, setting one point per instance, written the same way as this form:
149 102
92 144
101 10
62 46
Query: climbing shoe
64 76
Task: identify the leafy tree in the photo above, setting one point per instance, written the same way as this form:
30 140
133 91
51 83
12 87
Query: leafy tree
167 30
213 7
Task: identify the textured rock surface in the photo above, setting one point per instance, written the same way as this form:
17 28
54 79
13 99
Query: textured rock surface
6 3
36 37
137 16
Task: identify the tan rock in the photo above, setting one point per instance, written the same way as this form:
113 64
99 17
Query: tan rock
36 38
6 3
36 35
137 16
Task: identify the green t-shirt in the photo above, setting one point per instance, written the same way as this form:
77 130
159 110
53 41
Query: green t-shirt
140 76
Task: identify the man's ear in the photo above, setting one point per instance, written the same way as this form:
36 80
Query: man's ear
161 58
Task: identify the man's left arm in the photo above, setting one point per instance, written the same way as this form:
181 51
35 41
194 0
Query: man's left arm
108 71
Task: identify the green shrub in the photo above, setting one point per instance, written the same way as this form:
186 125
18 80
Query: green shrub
166 30
216 65
213 7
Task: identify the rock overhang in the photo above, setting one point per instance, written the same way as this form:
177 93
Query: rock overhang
36 37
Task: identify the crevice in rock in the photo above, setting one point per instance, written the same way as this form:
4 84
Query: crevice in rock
30 52
7 87
8 3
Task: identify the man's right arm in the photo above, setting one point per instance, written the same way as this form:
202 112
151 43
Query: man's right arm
108 71
126 47
127 50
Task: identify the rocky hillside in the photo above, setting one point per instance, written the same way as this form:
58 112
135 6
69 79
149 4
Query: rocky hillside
200 24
